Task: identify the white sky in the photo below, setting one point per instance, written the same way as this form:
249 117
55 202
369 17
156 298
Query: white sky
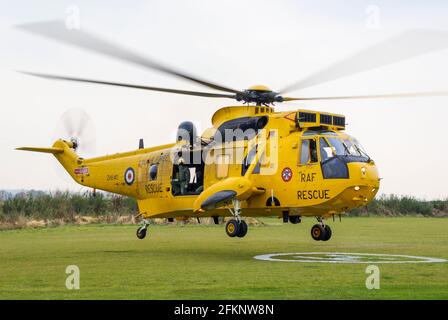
235 43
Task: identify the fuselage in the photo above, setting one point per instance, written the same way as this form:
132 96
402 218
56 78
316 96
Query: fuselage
302 167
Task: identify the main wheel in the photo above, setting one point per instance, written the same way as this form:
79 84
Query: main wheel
232 228
327 234
317 232
294 219
141 232
243 229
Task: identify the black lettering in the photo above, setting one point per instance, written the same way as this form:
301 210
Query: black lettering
153 188
302 177
111 177
313 194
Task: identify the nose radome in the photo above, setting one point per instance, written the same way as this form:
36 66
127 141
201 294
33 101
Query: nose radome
365 181
363 171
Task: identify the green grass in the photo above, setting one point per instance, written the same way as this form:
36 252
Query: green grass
201 262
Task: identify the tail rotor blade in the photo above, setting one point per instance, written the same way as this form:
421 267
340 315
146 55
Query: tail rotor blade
76 124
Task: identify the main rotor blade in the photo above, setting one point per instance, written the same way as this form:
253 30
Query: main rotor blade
402 47
375 96
57 30
118 84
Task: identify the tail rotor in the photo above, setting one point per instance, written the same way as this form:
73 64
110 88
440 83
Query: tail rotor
77 126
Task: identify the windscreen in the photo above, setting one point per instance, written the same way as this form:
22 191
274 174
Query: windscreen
331 146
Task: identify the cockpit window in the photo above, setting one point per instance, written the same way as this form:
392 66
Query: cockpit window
342 147
325 150
352 148
308 151
339 147
313 151
304 153
359 147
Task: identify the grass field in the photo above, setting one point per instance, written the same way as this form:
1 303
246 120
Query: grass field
201 262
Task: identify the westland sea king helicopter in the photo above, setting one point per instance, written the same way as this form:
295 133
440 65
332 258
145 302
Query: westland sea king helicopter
292 164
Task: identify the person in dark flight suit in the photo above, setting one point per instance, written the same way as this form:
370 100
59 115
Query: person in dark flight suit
184 176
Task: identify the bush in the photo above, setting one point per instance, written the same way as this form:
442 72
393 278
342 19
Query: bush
393 205
66 204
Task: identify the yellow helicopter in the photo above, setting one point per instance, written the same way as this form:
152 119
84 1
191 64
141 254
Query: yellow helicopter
253 161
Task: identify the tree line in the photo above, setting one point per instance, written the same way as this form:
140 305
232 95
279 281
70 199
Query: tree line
60 204
56 205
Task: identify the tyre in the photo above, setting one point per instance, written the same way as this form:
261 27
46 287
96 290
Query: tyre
243 229
294 219
317 232
327 234
232 228
141 233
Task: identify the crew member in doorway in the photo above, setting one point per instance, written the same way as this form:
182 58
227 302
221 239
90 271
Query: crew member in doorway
184 176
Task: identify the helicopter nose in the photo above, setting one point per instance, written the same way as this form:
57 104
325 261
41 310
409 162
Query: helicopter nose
365 181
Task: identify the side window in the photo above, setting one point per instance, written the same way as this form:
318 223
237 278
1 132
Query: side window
304 152
308 151
153 172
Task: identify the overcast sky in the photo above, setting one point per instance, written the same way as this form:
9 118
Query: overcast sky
235 43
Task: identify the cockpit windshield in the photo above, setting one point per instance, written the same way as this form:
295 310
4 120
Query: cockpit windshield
352 148
359 147
336 150
340 146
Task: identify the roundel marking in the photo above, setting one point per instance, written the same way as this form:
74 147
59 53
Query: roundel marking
287 174
129 176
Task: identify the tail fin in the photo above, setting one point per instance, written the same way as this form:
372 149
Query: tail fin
63 151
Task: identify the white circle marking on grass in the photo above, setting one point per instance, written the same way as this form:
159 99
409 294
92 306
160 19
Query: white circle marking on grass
341 257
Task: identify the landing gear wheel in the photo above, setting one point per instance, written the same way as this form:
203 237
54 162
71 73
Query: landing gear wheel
317 232
233 228
242 229
327 234
294 219
141 232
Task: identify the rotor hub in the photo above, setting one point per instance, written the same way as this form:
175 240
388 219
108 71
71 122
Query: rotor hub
260 95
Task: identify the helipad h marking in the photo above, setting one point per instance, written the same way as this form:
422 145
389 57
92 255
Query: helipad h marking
341 257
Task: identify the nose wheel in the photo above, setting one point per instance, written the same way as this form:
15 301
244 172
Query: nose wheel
321 231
